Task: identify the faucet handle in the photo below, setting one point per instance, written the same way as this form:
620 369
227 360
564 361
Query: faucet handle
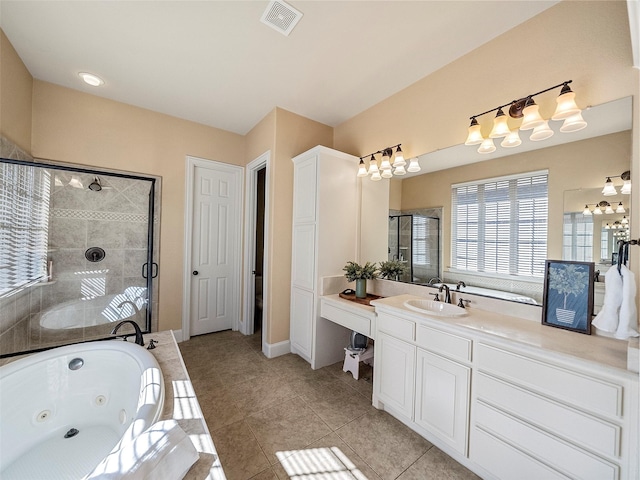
462 302
436 297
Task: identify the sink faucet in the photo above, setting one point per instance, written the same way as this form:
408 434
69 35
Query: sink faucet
460 284
447 295
139 339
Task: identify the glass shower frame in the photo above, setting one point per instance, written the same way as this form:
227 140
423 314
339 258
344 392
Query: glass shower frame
149 269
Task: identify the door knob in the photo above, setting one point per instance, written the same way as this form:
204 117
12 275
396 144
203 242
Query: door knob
195 272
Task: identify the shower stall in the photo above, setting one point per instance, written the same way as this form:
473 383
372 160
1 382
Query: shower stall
414 239
76 254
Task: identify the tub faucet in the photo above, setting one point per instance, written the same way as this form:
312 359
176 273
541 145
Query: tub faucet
139 339
434 280
136 310
447 294
460 284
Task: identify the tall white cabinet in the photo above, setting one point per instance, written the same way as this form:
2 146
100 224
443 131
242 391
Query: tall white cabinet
326 204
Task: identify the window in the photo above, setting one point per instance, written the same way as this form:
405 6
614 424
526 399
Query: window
499 225
577 238
24 221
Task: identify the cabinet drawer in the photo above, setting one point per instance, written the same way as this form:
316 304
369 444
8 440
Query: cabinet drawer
506 462
599 435
558 454
397 327
452 346
574 388
346 318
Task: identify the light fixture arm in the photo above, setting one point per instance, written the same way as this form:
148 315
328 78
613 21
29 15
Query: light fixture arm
388 150
524 99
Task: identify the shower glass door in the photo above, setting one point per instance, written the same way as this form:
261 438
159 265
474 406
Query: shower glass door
80 261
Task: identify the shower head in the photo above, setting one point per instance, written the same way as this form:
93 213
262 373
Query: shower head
96 186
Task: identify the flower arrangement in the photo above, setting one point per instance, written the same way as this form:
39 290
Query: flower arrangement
392 269
354 271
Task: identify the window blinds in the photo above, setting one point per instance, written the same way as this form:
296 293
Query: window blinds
24 222
577 237
500 225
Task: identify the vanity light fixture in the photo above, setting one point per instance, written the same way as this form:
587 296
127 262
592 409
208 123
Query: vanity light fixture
610 189
387 168
586 211
620 208
608 210
91 79
624 220
526 108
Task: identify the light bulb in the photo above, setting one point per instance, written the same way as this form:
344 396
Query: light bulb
399 160
531 116
586 210
487 146
566 104
597 211
620 208
500 127
385 164
414 165
624 220
511 140
475 136
608 188
373 165
541 132
399 170
626 187
376 176
362 170
608 210
573 123
387 173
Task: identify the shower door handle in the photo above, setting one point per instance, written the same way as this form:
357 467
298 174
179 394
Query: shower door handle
145 270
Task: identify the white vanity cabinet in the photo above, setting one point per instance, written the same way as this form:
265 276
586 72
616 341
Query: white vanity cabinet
549 405
325 219
551 419
417 378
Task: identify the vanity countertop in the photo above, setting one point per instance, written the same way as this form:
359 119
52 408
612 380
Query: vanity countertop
602 352
181 404
356 307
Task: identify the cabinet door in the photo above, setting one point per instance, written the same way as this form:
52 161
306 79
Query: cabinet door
304 190
394 367
303 259
302 313
442 398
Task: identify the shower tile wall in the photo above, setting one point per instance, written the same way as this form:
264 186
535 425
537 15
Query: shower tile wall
114 219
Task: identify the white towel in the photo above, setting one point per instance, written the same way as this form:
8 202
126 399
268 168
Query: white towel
608 318
628 324
162 451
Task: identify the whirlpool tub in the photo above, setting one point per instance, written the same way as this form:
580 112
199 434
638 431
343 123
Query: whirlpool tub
63 410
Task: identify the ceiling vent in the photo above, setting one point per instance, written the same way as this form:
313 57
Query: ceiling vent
281 17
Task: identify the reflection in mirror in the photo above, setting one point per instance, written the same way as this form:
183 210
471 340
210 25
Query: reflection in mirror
414 239
581 160
75 245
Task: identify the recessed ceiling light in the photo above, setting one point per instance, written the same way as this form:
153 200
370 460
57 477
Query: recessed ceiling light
91 79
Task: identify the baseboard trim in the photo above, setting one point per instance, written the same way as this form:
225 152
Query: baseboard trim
272 350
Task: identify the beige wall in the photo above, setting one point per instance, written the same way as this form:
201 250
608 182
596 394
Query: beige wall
16 85
571 166
75 127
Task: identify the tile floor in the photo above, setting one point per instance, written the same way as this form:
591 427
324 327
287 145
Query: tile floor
274 419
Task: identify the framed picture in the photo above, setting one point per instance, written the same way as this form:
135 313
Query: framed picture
568 295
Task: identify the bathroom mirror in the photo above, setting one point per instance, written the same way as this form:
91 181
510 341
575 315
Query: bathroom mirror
575 161
76 254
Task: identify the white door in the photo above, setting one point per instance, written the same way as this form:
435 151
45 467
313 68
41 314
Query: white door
215 247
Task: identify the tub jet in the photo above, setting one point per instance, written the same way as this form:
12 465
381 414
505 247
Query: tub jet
71 433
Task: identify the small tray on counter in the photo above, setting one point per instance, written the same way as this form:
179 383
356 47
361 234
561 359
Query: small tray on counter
364 301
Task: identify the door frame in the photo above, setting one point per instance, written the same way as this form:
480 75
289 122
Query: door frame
190 164
251 176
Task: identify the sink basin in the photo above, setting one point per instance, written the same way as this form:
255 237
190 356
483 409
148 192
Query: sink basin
430 307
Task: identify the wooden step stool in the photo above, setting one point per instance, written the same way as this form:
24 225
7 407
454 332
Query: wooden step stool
352 360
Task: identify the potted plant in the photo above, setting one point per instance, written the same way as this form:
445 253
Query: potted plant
392 269
360 274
